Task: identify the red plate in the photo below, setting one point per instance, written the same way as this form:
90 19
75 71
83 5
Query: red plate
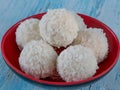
10 52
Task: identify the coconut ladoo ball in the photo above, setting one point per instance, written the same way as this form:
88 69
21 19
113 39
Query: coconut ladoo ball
28 30
76 63
95 39
38 59
59 27
80 22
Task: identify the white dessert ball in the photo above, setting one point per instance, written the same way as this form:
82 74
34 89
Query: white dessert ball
76 63
59 27
38 59
80 21
27 30
95 39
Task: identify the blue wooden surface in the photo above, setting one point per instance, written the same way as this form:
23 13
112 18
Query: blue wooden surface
11 11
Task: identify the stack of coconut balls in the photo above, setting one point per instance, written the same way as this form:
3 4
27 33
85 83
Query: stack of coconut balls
84 47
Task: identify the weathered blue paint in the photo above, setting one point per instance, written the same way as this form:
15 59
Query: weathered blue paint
11 11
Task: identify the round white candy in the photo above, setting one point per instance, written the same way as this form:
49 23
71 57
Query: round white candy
38 59
28 30
95 39
76 63
59 27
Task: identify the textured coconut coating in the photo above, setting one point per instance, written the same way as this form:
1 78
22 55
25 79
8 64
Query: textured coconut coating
95 39
38 59
27 30
76 63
